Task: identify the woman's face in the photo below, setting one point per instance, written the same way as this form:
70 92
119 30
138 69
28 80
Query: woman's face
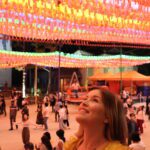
92 109
25 117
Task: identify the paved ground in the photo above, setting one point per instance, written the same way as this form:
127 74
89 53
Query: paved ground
11 140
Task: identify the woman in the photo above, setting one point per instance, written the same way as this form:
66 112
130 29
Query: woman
25 131
39 118
3 105
102 123
140 118
45 144
66 116
61 141
52 101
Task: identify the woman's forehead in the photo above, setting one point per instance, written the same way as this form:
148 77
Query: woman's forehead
95 92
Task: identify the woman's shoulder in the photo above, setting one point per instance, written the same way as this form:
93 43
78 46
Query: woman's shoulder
43 147
116 146
71 143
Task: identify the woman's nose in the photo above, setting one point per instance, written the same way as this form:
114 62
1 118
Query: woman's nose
85 102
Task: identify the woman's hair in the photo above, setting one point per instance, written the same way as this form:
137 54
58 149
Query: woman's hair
48 135
116 128
25 117
46 142
60 134
46 104
29 146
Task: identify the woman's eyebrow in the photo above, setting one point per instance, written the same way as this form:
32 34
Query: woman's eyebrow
95 96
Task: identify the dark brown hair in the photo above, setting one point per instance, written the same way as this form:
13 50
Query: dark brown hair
116 128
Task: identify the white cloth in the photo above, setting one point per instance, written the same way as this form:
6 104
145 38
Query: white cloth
140 115
137 146
75 86
46 112
57 106
62 113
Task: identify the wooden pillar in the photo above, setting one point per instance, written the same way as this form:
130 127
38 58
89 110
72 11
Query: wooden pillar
35 83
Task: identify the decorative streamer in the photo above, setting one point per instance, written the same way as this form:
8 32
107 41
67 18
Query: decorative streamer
16 59
95 20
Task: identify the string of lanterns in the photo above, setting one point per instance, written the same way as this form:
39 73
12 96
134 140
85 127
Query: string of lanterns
97 21
16 59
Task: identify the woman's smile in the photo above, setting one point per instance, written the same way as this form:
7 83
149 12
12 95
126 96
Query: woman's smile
82 110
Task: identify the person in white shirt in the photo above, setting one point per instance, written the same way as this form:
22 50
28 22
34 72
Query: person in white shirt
75 86
46 115
140 118
62 116
137 144
124 95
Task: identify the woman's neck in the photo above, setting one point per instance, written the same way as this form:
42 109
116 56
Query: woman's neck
93 138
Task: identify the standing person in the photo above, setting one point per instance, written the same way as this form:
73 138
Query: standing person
61 117
39 119
124 95
102 123
3 105
25 110
61 141
140 96
52 102
140 118
133 127
13 112
147 105
59 95
13 93
137 144
46 99
46 112
57 107
25 131
66 116
1 111
19 101
129 102
75 86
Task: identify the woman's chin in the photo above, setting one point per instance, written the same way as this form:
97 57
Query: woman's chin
80 118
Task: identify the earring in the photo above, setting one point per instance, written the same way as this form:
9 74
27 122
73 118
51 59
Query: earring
106 121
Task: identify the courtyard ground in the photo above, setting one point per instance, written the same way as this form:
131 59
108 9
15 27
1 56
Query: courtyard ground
11 140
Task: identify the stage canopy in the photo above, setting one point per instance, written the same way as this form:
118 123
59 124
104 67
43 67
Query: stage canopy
125 21
125 76
10 59
101 76
130 76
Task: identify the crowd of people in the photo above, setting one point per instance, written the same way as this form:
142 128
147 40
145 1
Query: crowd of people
135 117
20 105
105 122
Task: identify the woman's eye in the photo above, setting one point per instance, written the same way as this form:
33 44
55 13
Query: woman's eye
95 100
85 98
